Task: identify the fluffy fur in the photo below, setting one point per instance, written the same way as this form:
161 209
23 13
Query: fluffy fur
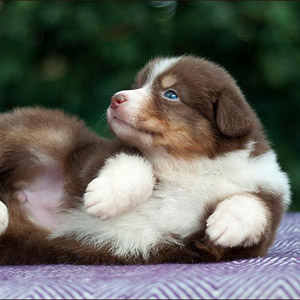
239 220
188 179
3 217
124 182
179 201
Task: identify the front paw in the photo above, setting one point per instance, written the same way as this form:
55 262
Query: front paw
123 183
239 220
102 200
3 217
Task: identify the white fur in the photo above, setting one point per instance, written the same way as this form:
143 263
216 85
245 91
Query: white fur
123 183
3 217
161 66
179 200
128 133
136 98
128 112
238 221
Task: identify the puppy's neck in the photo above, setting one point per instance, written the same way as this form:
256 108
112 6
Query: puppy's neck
163 162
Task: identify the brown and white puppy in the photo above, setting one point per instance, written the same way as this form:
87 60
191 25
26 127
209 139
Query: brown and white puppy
191 177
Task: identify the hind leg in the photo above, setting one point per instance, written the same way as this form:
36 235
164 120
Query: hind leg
34 161
3 217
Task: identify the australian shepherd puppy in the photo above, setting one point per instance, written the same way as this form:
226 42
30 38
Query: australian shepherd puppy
190 178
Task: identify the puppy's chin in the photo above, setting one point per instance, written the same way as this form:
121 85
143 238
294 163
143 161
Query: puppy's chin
128 133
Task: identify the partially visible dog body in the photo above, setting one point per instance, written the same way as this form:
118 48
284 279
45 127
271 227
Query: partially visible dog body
190 178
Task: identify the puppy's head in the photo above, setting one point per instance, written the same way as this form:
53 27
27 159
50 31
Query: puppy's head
183 106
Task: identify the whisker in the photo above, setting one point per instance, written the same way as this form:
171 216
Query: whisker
101 121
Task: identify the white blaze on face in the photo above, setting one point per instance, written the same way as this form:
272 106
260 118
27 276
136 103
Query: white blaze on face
160 67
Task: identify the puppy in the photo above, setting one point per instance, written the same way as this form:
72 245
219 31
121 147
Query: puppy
190 178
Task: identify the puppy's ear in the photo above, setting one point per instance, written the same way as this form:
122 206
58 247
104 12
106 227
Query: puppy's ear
232 113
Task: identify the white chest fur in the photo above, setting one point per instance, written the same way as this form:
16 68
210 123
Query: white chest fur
178 202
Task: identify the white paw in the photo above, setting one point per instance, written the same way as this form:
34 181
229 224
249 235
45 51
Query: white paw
237 221
122 184
3 217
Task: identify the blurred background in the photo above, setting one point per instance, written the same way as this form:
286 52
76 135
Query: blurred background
75 55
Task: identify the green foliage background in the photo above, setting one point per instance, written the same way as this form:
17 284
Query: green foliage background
75 55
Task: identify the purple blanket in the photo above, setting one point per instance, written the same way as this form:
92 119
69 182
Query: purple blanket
275 276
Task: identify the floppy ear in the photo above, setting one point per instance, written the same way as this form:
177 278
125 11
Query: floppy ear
232 113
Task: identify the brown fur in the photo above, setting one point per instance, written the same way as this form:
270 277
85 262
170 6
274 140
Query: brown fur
213 118
212 110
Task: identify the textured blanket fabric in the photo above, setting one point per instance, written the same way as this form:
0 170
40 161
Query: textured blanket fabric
275 276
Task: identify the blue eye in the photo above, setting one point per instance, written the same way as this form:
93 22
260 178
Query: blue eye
171 95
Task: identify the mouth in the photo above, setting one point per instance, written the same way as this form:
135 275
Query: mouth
116 120
123 123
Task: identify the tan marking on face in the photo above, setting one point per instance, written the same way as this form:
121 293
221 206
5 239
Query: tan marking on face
168 81
178 139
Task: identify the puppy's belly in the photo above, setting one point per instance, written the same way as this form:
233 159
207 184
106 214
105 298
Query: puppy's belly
41 198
